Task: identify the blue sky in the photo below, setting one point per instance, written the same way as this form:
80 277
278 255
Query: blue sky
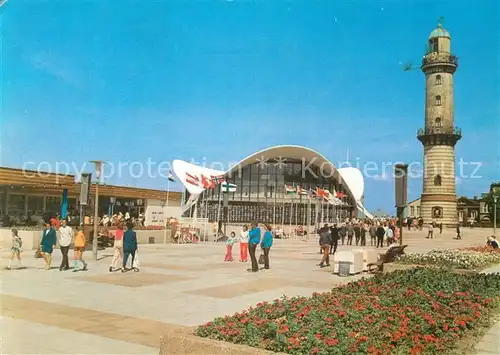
218 80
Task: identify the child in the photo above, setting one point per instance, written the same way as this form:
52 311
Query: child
80 242
229 247
16 249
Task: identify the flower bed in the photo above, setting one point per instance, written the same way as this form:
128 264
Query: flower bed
471 259
404 312
482 249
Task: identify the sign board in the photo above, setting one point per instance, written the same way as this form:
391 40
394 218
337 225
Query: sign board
85 182
401 184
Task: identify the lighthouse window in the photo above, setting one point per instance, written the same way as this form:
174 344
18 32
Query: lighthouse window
438 79
438 122
438 100
437 180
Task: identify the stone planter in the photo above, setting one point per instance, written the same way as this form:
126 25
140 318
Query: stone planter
182 341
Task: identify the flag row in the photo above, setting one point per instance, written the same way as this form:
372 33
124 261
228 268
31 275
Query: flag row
318 192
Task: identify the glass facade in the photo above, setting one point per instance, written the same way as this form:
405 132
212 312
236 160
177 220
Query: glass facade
260 195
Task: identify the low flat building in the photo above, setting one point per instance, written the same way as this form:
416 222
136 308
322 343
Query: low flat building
27 193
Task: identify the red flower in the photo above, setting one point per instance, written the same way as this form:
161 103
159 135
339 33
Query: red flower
445 327
331 341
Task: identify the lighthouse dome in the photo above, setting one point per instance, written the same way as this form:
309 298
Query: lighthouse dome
439 32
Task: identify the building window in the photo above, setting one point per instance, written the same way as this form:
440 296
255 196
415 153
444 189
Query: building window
438 122
438 100
418 211
438 80
437 180
412 210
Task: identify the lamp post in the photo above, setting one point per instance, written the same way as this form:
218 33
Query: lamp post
495 215
98 171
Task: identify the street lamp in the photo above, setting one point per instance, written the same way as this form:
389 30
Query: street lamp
98 170
495 215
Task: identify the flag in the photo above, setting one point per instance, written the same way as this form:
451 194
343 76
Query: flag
340 194
171 176
320 192
301 191
218 179
192 179
312 193
290 189
228 187
207 183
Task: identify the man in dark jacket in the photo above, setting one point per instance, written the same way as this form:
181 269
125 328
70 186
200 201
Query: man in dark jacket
334 231
357 233
325 239
373 234
350 233
380 236
129 246
363 235
343 233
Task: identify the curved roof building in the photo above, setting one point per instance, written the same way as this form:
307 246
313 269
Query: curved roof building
276 185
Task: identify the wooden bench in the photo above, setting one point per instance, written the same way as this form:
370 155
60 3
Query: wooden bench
388 257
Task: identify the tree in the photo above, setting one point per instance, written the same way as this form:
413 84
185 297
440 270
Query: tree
494 191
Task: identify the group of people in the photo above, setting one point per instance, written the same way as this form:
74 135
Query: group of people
249 240
329 237
125 246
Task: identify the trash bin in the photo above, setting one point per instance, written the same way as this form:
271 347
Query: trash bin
344 268
151 240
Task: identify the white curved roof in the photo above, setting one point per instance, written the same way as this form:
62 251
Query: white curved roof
352 177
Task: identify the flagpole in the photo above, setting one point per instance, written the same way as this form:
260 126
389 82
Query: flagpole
295 210
290 219
183 197
165 207
218 207
205 236
327 211
283 213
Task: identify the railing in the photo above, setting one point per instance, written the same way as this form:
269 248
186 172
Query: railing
440 58
456 131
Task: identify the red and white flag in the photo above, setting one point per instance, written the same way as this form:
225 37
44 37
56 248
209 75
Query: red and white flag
192 179
207 183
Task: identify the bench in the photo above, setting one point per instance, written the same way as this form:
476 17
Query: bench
388 257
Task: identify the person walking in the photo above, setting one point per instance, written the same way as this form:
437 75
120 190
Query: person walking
389 234
16 248
65 238
364 232
334 231
244 244
373 234
430 234
117 248
267 242
350 233
80 242
325 239
129 246
253 241
380 236
343 232
48 243
441 228
459 235
357 233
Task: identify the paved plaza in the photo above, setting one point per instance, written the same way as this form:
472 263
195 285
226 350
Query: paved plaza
98 312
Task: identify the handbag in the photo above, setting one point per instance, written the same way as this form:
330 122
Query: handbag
261 259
